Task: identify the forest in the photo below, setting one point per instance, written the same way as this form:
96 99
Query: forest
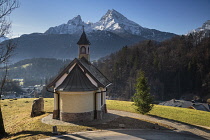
175 68
178 68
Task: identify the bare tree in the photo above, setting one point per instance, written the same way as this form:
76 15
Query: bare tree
6 7
3 80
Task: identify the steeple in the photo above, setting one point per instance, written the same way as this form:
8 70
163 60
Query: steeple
84 46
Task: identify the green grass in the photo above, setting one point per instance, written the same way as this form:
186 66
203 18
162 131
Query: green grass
189 116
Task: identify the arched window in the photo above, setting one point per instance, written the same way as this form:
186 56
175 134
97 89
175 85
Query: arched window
83 50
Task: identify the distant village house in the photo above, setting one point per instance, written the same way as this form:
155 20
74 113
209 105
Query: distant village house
19 81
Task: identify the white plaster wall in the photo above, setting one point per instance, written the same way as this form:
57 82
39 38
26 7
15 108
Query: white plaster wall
77 102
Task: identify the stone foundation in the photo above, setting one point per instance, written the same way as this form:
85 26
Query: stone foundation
77 117
80 117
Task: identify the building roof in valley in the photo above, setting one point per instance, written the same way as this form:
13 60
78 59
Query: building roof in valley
186 104
83 40
88 68
76 81
202 107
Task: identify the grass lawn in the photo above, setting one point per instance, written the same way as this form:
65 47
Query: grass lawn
189 116
20 125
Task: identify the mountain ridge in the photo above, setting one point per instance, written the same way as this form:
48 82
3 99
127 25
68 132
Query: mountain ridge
112 21
108 35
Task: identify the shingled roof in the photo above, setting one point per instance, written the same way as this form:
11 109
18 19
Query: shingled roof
76 81
95 74
83 39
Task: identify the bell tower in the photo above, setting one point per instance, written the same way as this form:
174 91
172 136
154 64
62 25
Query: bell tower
84 46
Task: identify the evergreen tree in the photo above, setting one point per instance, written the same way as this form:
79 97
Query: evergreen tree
142 98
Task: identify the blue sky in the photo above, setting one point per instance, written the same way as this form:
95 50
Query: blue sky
176 16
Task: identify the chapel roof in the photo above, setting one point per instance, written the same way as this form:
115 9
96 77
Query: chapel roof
94 72
76 81
90 69
83 39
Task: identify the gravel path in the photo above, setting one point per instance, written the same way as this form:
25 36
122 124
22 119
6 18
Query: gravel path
179 126
114 114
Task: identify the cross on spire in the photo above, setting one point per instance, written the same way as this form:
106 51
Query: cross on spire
83 28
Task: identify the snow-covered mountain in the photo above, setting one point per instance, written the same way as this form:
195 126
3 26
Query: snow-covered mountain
108 35
112 21
72 26
116 22
203 31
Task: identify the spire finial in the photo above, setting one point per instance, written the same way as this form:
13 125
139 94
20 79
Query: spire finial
83 28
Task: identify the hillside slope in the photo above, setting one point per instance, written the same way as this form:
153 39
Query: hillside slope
37 70
175 68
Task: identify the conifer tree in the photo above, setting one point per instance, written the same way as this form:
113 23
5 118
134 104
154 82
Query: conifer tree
142 98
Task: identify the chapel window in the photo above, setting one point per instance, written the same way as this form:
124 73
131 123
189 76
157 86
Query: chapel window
83 50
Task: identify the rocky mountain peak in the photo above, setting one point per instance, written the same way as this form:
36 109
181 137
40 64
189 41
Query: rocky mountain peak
112 21
206 25
75 21
115 22
201 32
112 14
204 30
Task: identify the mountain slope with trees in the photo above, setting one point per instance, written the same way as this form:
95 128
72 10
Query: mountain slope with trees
37 70
179 67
